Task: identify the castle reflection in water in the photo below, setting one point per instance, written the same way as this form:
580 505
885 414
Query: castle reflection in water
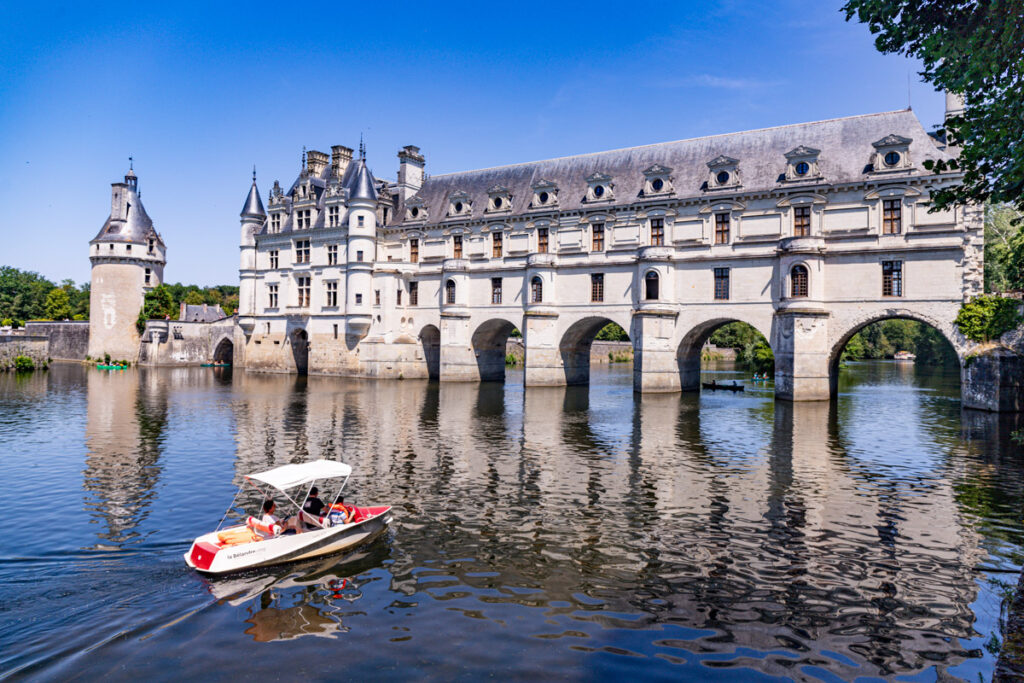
758 517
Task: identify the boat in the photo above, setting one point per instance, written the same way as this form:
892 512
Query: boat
760 379
904 356
725 387
251 544
215 365
111 367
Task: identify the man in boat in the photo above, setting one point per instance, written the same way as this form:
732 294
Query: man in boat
269 520
313 508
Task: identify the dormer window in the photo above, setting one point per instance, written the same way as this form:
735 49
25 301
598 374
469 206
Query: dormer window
599 188
657 181
892 153
459 204
802 163
499 198
545 194
724 173
415 210
275 222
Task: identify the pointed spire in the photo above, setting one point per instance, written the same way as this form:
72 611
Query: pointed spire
362 147
253 204
362 185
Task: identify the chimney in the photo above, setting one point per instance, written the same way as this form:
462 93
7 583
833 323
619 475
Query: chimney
410 171
341 156
181 313
316 162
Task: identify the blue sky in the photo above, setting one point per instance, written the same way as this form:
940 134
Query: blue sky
198 93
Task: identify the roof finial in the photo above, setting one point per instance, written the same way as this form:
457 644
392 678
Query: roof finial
131 163
362 148
254 173
303 157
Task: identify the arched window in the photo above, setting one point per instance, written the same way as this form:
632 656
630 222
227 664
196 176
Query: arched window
651 287
798 281
536 290
449 292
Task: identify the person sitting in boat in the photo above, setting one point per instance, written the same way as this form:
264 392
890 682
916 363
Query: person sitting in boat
313 508
269 521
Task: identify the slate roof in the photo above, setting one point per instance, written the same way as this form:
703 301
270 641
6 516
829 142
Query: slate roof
201 313
253 204
362 184
136 227
845 145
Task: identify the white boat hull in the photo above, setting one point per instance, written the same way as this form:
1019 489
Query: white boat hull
210 556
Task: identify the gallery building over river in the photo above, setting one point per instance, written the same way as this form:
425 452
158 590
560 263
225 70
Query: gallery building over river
807 232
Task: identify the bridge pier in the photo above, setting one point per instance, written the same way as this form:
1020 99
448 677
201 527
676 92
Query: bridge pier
457 360
655 365
801 345
541 354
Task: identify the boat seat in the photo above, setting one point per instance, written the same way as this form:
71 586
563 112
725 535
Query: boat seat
238 536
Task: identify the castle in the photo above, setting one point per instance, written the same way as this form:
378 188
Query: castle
807 232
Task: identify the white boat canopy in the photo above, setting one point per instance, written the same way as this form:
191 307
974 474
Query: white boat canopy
288 476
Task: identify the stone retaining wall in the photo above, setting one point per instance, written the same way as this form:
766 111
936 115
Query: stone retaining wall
69 340
12 346
178 342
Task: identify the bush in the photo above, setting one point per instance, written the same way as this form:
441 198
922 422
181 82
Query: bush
511 360
23 364
987 317
6 322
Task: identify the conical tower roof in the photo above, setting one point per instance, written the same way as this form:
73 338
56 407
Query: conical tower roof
128 220
253 204
361 184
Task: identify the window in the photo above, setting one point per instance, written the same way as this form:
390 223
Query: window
495 290
721 228
414 294
802 221
302 219
721 283
802 168
449 292
536 290
275 222
892 278
376 297
457 246
302 251
597 237
542 240
332 294
149 275
332 254
496 238
414 250
359 256
892 158
333 214
798 281
359 299
361 220
722 177
273 259
303 291
597 287
152 246
335 330
657 232
652 286
398 297
891 218
272 296
128 248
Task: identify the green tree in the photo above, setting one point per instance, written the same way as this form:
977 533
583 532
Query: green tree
974 49
157 304
194 298
1000 233
612 332
22 294
987 317
58 304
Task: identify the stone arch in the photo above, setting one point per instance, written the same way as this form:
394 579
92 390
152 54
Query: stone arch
430 338
575 343
690 346
839 339
489 341
300 350
224 351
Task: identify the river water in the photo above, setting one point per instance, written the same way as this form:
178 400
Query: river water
570 533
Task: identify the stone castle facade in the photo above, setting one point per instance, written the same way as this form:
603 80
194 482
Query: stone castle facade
807 232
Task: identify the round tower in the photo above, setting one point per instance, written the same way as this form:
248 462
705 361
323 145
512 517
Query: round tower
253 217
128 259
362 248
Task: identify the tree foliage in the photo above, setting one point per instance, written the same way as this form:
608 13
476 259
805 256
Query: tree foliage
1004 249
612 332
974 49
157 305
58 304
752 350
886 337
987 317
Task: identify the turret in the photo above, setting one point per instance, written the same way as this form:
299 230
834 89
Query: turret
128 258
253 217
362 246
